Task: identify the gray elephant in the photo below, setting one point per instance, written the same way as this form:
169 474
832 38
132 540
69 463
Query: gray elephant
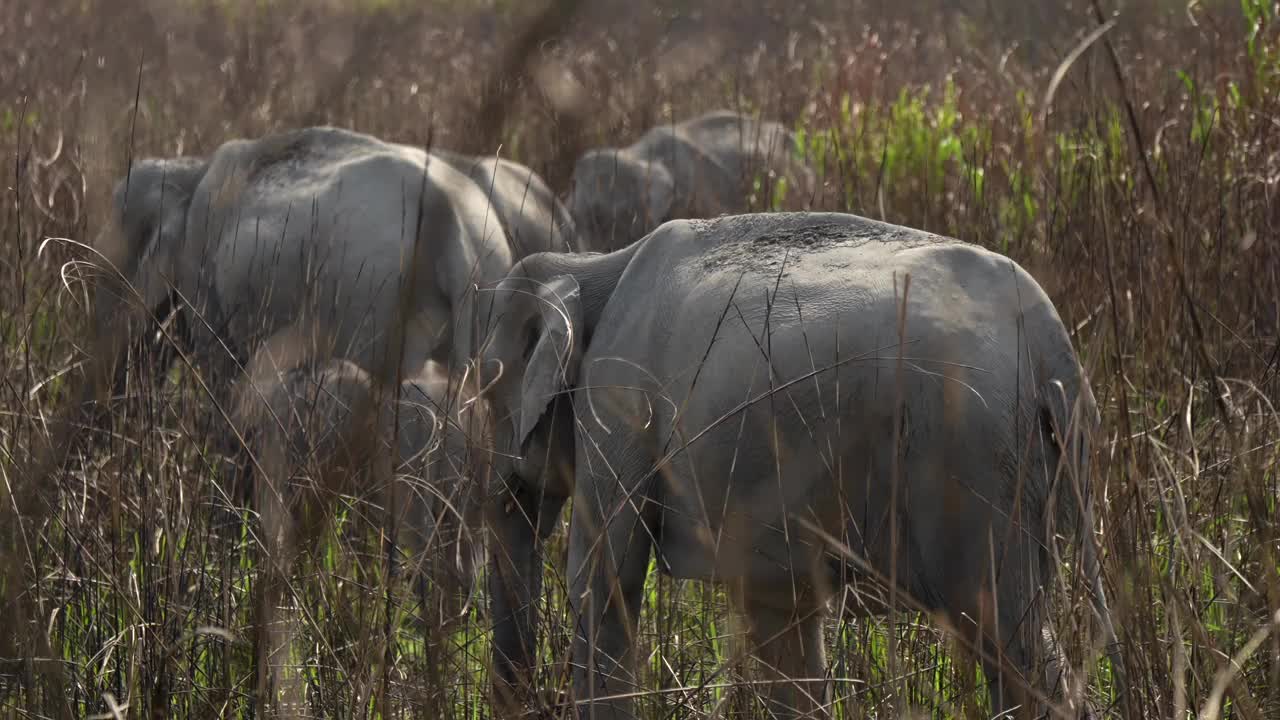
287 254
319 236
320 228
327 430
786 403
307 423
698 168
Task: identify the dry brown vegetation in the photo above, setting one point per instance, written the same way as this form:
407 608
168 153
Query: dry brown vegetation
1143 198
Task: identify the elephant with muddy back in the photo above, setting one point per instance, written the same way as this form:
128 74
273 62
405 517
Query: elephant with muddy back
785 403
699 168
305 276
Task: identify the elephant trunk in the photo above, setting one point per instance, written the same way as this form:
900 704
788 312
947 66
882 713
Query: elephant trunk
521 518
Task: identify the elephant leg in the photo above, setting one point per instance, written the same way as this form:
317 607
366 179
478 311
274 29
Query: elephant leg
521 518
1006 635
290 520
442 573
271 637
450 561
232 493
296 421
789 646
609 547
1059 685
1007 667
418 532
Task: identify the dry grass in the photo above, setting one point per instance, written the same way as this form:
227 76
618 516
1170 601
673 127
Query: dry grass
1143 199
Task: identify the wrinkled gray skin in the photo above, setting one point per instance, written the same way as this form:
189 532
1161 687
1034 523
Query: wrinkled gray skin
698 168
736 388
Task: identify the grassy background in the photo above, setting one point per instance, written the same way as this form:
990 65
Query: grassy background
1142 197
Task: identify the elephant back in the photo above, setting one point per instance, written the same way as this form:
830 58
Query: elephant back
760 150
311 229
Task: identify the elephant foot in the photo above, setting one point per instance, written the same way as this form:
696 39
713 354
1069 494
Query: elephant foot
530 704
552 704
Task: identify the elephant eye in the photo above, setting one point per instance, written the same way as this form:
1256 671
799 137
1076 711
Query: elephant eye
530 341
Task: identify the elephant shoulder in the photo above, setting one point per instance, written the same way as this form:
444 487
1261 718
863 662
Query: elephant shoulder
326 154
660 144
548 225
655 257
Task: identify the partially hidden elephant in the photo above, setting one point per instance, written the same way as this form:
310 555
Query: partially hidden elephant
304 258
322 230
308 247
328 430
788 403
306 421
699 168
444 431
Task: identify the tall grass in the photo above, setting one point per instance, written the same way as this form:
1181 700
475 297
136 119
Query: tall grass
1143 199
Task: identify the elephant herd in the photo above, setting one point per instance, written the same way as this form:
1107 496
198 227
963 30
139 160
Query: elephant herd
787 403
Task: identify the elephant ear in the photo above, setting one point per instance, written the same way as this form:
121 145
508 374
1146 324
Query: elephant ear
552 365
151 205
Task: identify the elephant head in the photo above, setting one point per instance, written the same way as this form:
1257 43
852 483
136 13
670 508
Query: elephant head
140 254
536 344
618 197
537 323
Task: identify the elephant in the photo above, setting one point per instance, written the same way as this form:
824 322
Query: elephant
287 254
353 247
306 420
326 430
787 403
323 228
699 168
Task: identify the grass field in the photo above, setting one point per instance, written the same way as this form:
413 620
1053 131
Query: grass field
1137 179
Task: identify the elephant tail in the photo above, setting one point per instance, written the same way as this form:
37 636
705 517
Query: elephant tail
1070 422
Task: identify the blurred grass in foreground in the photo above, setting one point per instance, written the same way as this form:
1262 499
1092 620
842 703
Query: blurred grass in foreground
1144 201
